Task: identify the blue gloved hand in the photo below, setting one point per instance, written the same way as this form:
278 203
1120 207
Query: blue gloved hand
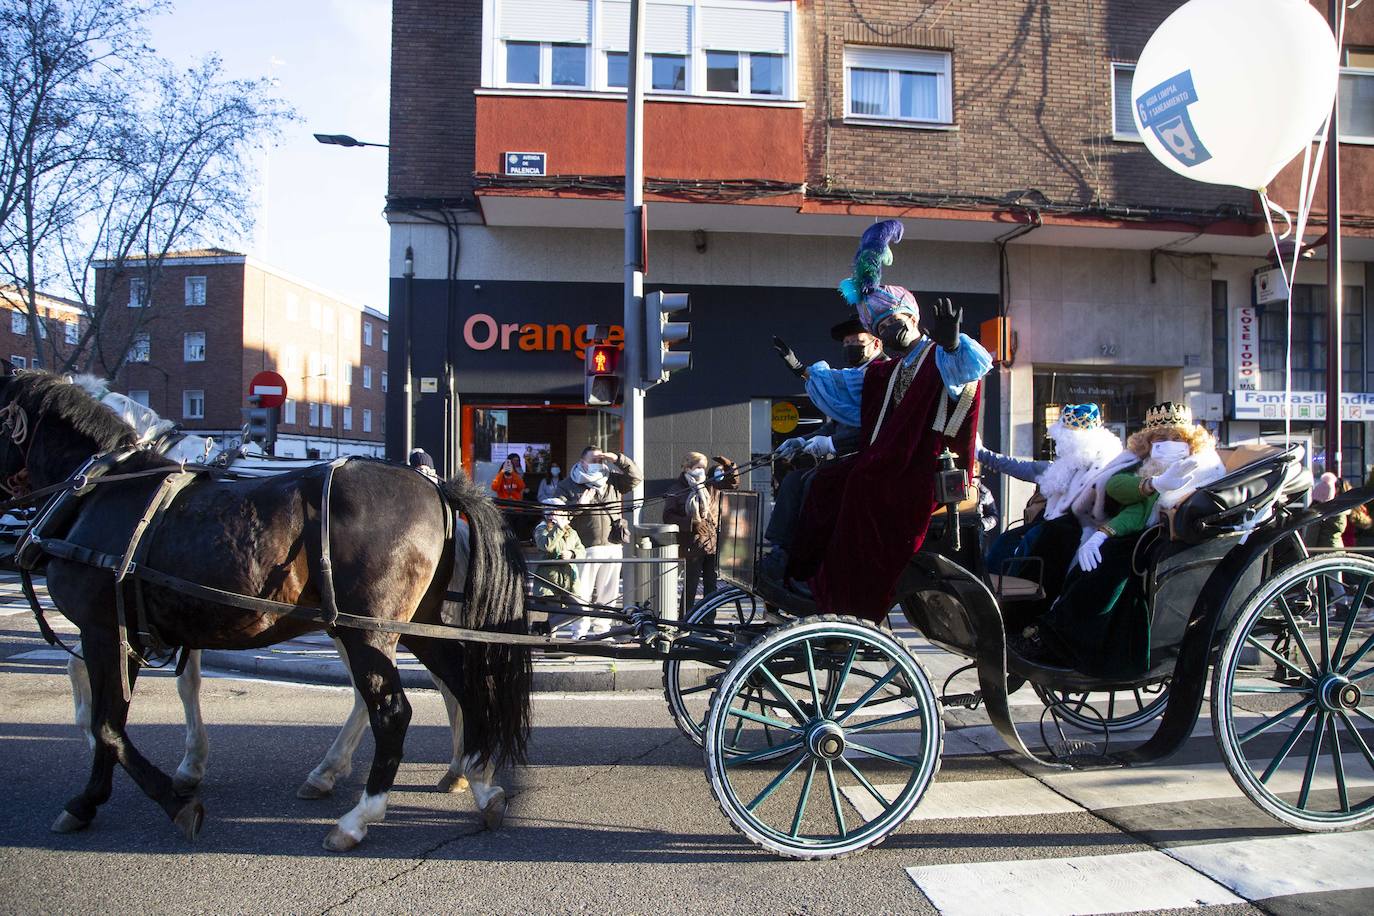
819 447
791 448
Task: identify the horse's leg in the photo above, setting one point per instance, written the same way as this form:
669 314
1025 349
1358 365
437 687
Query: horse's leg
338 760
370 659
192 768
81 696
441 662
491 798
109 715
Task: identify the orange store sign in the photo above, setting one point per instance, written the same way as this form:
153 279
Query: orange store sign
483 332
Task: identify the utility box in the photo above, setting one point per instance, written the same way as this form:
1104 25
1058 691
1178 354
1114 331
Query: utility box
657 582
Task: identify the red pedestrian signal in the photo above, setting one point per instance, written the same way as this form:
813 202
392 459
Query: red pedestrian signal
602 388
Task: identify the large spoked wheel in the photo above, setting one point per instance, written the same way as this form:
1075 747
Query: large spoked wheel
862 733
687 686
1114 711
1291 705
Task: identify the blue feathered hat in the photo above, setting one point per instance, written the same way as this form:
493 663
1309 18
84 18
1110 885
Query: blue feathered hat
863 289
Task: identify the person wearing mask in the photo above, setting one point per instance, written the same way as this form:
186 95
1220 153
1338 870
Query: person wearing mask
508 484
419 460
865 517
594 490
555 539
548 487
1100 625
694 506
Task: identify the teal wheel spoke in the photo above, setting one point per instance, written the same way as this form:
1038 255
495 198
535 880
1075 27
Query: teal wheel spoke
1359 654
1313 756
779 691
1292 739
1362 675
1363 715
811 677
863 781
835 799
1338 765
802 800
1281 660
884 755
739 726
770 751
868 694
886 720
1351 613
1323 618
777 781
1271 689
1359 739
762 719
688 691
1295 633
841 679
1275 720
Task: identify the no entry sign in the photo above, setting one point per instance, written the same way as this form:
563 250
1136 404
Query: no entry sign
269 388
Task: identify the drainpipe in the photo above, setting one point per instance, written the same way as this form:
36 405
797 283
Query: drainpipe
1004 368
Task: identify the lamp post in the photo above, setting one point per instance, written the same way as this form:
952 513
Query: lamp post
345 140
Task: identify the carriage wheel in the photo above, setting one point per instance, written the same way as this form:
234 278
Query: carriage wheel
1291 706
863 737
731 609
1111 710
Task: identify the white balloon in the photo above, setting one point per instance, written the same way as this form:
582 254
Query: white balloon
1229 91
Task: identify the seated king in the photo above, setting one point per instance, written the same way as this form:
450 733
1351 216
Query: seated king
865 516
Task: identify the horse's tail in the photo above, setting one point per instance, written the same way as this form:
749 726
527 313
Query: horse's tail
496 679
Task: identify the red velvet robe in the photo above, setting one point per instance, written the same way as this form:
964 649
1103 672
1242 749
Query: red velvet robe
866 516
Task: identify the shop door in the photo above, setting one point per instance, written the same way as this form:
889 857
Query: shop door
534 437
1123 399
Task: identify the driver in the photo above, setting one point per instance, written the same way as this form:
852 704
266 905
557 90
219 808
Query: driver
864 517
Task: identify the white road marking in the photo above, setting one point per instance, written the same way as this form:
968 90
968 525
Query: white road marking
1120 883
1283 866
40 655
979 798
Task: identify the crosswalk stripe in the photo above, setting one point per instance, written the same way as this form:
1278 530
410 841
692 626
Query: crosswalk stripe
1284 866
1118 883
979 798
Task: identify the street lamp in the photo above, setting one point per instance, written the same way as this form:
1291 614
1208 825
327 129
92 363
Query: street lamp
344 140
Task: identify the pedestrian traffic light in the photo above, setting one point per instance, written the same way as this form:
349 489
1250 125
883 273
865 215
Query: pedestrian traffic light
603 376
259 426
660 334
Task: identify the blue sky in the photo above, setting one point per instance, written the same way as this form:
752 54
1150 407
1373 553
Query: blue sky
320 210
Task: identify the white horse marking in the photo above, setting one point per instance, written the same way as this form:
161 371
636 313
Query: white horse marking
81 697
338 760
453 780
491 798
192 768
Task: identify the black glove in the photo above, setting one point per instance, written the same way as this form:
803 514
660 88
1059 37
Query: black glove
943 324
788 357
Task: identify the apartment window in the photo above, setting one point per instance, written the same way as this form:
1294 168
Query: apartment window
367 376
1221 330
384 387
194 347
741 72
552 64
36 363
367 420
348 418
71 332
386 338
898 84
1123 121
327 367
138 293
42 329
290 359
348 372
19 322
315 315
327 316
19 362
1357 96
312 365
193 404
1309 340
367 333
139 396
293 307
288 411
195 290
314 413
327 416
141 350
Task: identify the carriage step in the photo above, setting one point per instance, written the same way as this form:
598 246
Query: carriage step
965 700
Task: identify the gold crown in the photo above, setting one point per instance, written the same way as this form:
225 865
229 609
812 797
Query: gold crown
1170 413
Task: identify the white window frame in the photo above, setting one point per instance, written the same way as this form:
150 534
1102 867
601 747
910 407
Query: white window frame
140 348
196 288
138 292
367 377
189 396
598 47
19 322
348 418
293 307
314 308
745 57
1353 73
326 367
384 381
290 359
348 372
313 414
1133 136
189 351
327 415
367 333
327 318
288 411
18 361
367 419
945 118
71 332
42 328
139 396
386 340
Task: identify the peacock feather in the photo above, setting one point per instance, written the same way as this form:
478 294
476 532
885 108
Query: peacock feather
874 254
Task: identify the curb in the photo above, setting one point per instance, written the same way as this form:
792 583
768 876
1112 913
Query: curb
550 675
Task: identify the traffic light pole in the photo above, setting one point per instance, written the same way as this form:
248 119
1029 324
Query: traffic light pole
634 361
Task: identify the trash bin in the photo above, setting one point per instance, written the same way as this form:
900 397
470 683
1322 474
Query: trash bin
657 582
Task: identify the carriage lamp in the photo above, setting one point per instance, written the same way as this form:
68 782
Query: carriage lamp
951 488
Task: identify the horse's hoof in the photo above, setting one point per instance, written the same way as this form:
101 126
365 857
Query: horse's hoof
310 791
190 819
185 785
338 841
453 782
494 811
69 823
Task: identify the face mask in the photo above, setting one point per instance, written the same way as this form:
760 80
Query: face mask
898 335
555 471
1170 451
696 475
595 470
855 354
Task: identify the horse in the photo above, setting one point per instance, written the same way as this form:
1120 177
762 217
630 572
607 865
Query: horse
338 760
391 562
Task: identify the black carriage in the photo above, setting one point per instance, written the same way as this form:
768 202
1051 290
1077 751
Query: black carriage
821 734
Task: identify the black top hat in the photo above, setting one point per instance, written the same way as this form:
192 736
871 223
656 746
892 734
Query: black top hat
847 327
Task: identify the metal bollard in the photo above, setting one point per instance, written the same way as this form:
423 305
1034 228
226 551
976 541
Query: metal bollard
657 582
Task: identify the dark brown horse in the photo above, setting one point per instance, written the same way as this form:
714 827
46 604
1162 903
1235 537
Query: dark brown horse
261 538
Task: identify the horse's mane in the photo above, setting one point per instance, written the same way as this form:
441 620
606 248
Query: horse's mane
41 393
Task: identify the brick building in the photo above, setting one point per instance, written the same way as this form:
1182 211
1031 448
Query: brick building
59 333
1000 133
188 346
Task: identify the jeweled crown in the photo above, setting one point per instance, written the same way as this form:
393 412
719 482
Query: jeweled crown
1170 413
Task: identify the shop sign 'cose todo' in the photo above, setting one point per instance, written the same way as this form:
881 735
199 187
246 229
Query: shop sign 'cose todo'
1245 348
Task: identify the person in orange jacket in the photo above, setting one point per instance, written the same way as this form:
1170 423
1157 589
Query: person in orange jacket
507 484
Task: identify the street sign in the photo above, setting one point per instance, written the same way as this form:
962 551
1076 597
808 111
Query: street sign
533 164
269 388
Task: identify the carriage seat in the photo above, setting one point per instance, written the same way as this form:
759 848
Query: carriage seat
1259 477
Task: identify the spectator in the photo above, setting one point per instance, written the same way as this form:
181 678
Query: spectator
554 539
694 506
422 462
508 484
1327 534
548 487
595 486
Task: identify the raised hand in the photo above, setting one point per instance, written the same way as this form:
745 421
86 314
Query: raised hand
788 357
942 325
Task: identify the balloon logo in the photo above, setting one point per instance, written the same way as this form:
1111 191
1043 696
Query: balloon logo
1229 91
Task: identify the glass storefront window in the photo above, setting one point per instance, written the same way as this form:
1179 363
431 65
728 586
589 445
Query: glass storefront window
536 437
1309 340
1122 398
